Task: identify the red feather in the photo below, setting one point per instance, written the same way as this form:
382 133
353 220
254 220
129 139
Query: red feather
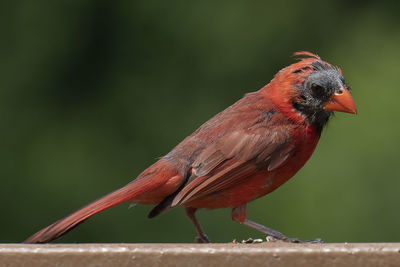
244 152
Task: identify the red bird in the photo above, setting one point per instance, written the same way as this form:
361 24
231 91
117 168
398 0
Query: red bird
243 153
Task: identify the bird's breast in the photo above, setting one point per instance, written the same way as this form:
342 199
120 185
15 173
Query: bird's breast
263 181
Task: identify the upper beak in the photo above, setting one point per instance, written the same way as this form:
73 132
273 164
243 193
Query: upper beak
341 101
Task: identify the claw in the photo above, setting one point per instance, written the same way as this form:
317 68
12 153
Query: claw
202 239
252 241
315 241
270 238
293 240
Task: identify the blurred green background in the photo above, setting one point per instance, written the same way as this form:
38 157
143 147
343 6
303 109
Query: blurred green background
92 92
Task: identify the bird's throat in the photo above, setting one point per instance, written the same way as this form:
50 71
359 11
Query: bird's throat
315 116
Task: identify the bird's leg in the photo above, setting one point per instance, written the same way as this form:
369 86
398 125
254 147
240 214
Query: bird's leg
239 215
202 237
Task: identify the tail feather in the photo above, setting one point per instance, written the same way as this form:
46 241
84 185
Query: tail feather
66 224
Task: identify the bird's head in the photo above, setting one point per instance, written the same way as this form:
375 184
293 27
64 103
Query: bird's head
311 90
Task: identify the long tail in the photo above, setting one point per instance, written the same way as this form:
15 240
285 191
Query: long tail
66 224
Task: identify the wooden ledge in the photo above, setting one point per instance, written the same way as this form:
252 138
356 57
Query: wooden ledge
264 254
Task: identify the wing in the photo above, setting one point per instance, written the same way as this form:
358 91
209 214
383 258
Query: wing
234 157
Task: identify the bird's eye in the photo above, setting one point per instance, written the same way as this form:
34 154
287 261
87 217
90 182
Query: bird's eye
339 92
317 90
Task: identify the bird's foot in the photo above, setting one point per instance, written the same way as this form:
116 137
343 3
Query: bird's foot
315 241
202 239
252 241
270 238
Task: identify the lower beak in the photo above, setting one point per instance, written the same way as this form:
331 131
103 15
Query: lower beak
341 102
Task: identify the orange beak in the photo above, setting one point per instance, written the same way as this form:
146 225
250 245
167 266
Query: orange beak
341 101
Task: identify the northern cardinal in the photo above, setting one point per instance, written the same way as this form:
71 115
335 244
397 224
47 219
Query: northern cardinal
243 153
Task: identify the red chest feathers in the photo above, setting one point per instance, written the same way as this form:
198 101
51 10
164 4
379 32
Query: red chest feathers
263 181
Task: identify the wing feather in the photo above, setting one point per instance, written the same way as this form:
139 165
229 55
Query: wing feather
233 158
